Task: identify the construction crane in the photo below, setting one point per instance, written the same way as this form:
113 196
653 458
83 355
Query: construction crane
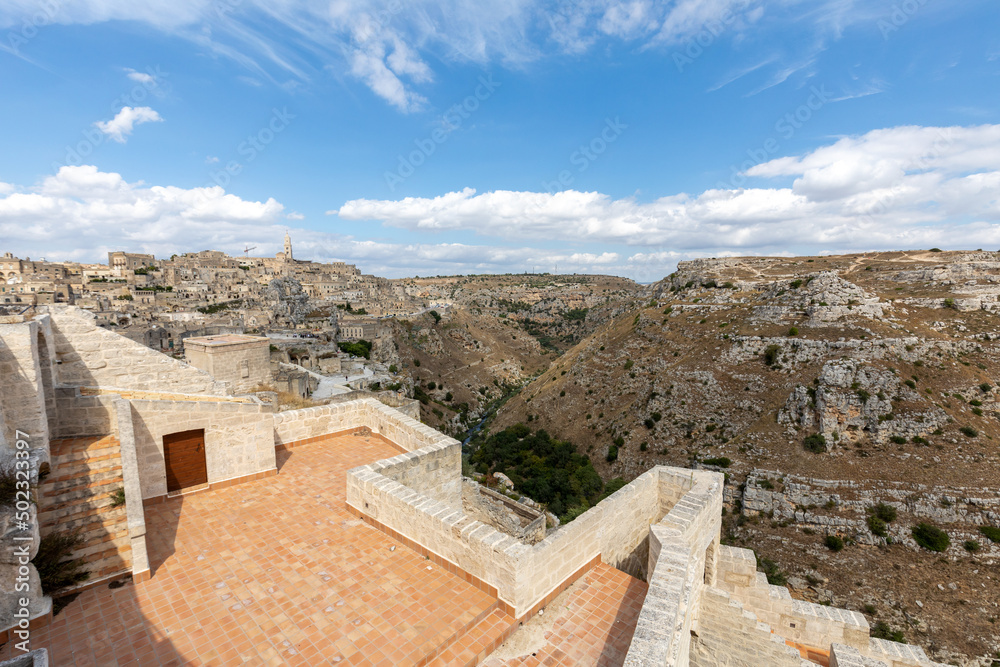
246 250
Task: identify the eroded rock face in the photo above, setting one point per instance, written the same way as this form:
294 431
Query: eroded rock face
850 399
286 299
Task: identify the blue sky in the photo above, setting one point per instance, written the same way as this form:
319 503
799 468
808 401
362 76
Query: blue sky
455 137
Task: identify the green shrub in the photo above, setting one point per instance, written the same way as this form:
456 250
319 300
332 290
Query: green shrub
612 486
629 364
416 362
877 526
949 303
720 461
935 249
985 387
863 395
547 470
393 368
612 453
834 543
969 432
930 537
971 546
815 443
881 630
362 348
794 331
898 439
795 284
774 575
991 533
911 384
649 423
885 512
771 354
56 569
118 497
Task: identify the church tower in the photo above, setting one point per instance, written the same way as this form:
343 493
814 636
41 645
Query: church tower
288 247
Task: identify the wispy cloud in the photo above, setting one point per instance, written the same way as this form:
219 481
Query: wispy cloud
389 45
120 127
739 74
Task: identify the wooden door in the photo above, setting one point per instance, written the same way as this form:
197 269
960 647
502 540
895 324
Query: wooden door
184 455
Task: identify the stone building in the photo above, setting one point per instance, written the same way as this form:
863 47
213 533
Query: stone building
242 361
122 262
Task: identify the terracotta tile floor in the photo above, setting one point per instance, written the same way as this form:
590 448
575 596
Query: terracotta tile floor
594 623
271 572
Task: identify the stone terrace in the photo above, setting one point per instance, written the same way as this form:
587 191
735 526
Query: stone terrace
275 572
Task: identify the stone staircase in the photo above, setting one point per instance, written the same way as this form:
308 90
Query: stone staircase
77 496
472 644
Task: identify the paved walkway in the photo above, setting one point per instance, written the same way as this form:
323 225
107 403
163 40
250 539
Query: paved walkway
590 625
272 572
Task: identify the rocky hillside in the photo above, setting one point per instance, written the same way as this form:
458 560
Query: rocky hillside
849 400
493 333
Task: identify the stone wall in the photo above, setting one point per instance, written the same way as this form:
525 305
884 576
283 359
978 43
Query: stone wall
77 414
523 575
682 560
132 481
238 438
798 620
24 394
90 356
239 360
730 635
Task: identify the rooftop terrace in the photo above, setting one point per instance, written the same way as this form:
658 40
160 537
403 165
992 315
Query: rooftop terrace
278 572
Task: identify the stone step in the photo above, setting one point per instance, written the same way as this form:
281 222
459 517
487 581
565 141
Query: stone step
103 549
77 510
81 444
73 469
82 480
112 534
102 489
473 645
91 526
59 460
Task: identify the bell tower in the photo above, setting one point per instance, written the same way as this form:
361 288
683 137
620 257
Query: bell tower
288 247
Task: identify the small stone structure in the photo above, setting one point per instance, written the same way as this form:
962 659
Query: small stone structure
241 360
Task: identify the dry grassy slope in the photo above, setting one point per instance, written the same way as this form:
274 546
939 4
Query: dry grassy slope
716 396
481 343
462 353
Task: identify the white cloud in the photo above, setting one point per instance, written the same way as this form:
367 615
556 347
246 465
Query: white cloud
896 187
120 127
387 45
211 159
140 77
81 207
81 213
903 187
